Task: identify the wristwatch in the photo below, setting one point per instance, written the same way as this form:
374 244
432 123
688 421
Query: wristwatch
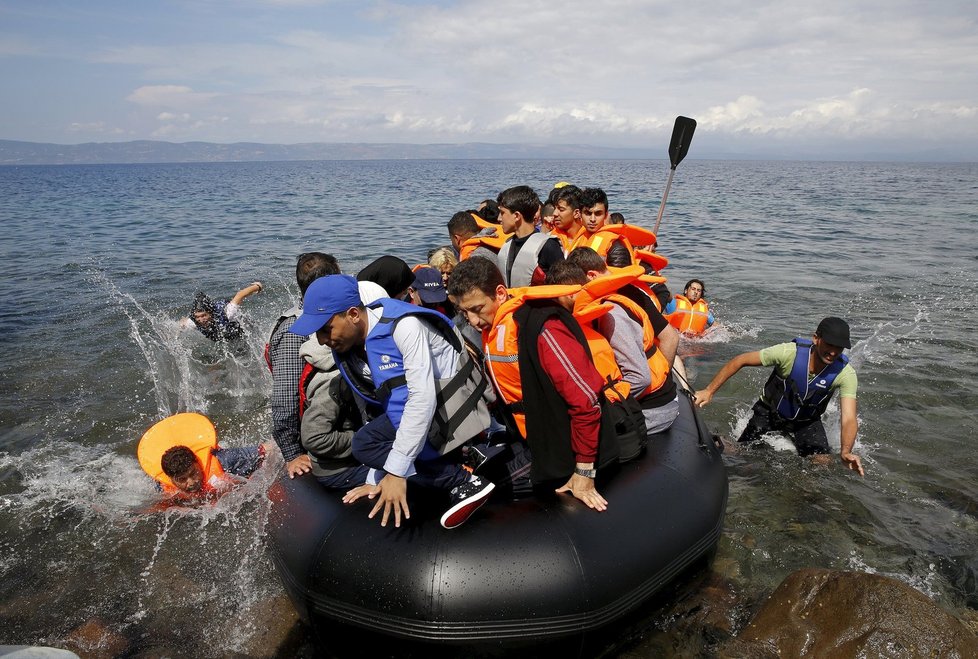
586 473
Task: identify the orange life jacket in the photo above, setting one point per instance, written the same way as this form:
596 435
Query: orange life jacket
501 347
196 432
566 239
587 309
492 242
602 240
655 260
689 318
605 289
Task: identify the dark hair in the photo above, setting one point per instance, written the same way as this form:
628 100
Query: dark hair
547 210
565 272
616 218
202 304
520 199
313 265
476 272
591 197
569 193
463 224
587 259
696 281
489 211
177 461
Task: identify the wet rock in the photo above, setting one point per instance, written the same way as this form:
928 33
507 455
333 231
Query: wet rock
94 640
694 617
280 632
827 613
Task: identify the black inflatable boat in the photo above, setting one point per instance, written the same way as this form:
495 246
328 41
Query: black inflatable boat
533 570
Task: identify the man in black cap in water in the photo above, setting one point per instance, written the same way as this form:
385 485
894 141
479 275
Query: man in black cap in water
806 374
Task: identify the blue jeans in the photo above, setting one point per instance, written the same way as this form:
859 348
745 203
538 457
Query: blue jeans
372 444
346 479
239 460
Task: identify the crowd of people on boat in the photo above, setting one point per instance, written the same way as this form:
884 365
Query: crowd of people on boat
537 351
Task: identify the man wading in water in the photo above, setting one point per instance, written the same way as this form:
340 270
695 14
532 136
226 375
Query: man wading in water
806 374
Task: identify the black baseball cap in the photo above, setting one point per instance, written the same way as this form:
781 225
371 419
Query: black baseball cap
834 331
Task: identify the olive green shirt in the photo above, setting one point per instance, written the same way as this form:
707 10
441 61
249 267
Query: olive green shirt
782 358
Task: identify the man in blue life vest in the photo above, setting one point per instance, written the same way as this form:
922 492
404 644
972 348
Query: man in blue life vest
806 374
411 363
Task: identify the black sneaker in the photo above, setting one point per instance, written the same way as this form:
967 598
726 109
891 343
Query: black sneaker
466 499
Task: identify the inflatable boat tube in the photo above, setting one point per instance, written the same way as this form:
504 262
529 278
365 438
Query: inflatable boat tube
527 571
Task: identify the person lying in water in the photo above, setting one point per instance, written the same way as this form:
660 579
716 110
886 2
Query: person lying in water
181 454
215 318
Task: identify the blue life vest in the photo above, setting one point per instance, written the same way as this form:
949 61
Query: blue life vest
798 398
460 404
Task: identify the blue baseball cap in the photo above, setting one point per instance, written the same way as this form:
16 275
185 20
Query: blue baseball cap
429 285
326 297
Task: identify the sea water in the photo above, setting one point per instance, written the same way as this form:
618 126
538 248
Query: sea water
99 263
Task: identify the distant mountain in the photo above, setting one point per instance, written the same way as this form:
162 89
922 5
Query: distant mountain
148 151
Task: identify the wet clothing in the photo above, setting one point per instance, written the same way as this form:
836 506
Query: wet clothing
689 317
808 436
807 432
781 357
222 326
240 460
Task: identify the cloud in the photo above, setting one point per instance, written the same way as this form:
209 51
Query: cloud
609 73
174 96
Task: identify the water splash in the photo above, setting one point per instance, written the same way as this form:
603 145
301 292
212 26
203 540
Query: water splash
159 341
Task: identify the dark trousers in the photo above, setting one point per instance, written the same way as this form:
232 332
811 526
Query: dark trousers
510 471
808 436
372 444
346 479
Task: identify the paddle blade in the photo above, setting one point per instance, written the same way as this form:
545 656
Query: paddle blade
682 135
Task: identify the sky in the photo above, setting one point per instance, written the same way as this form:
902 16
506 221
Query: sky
848 78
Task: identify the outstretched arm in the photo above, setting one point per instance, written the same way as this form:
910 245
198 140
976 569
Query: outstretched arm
850 426
704 396
250 289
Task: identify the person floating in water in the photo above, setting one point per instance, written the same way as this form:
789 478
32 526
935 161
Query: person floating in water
215 318
690 313
806 374
181 454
